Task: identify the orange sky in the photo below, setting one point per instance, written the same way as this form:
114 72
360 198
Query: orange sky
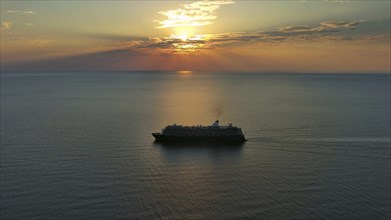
221 35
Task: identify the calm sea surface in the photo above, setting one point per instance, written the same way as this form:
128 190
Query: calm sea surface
79 146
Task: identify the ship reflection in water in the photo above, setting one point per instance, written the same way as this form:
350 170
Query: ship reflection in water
198 155
197 145
198 134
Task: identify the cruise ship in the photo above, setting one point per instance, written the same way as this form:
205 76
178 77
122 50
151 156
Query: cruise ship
214 133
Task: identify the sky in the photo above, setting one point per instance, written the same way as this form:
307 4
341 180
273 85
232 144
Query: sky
219 35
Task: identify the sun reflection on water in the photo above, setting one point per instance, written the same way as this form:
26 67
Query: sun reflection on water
185 72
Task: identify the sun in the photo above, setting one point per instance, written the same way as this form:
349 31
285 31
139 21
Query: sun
183 36
184 33
185 41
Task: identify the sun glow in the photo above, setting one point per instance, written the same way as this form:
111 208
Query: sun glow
184 33
183 37
185 44
184 72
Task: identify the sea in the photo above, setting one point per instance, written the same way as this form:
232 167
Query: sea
78 145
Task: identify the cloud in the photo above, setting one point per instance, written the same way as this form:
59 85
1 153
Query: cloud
338 1
327 30
6 25
123 50
298 28
29 24
92 61
198 13
20 12
340 24
112 37
39 42
379 37
324 26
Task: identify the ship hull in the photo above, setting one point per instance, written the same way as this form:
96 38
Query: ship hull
198 139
